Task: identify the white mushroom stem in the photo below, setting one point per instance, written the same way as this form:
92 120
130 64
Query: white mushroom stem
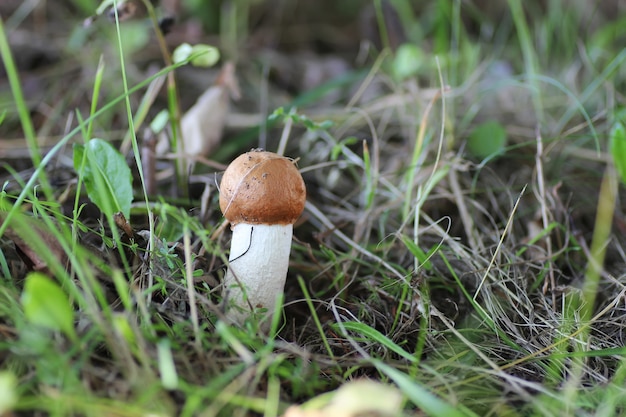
258 262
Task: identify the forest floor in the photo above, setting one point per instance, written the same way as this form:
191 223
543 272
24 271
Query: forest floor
461 251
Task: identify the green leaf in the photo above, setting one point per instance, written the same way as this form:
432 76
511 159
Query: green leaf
617 146
361 397
200 55
46 304
106 175
182 53
408 60
134 37
8 392
167 368
204 55
160 121
487 140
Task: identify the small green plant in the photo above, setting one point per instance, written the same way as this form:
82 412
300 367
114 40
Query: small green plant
47 305
281 114
487 140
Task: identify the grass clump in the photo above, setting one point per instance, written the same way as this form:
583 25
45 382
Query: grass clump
454 277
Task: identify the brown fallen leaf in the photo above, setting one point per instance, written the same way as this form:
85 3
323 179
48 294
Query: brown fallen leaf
202 125
35 242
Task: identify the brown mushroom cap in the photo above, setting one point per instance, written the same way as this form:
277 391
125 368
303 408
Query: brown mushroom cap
261 187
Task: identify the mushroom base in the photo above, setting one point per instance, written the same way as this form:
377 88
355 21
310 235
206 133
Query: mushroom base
258 262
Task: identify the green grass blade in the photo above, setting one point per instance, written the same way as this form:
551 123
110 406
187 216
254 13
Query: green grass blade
374 336
420 396
20 103
617 146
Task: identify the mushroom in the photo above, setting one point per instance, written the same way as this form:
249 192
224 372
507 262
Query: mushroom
262 194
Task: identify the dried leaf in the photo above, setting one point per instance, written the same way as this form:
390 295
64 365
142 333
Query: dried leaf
202 125
123 224
30 235
356 398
